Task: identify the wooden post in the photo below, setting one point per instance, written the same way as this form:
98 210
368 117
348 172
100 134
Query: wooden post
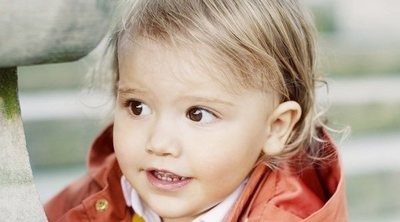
37 32
19 200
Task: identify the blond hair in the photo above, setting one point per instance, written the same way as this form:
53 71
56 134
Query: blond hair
267 44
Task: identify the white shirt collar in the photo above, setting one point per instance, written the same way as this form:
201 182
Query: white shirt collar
216 214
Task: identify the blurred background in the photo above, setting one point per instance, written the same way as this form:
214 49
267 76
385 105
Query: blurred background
359 53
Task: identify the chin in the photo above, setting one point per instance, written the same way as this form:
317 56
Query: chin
174 211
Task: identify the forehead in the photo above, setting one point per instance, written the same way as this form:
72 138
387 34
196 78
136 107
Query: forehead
188 64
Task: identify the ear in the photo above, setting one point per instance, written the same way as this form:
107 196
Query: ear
280 124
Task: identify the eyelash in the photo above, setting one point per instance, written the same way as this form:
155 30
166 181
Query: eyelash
128 105
199 108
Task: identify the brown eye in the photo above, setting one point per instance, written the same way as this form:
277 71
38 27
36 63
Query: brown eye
194 114
139 108
201 115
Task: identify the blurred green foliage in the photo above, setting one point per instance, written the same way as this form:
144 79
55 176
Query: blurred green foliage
59 142
342 60
366 119
60 76
374 196
324 17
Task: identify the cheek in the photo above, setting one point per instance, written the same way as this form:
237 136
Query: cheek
126 142
121 145
224 152
221 166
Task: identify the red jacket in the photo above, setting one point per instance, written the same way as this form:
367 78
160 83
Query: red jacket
316 194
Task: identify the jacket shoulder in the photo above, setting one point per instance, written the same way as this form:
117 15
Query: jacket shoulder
97 196
70 199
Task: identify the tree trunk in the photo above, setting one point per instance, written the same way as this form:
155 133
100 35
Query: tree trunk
19 200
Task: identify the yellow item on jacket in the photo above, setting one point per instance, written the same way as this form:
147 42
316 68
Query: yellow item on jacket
137 218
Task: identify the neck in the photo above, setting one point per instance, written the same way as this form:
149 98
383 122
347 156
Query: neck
177 219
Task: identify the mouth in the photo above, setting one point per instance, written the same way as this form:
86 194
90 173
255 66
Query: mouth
166 180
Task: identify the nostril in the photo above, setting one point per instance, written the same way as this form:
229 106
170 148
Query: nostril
149 151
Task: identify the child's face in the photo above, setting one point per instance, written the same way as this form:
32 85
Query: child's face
182 140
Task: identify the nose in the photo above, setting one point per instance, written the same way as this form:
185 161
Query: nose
164 139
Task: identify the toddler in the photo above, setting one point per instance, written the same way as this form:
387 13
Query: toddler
214 120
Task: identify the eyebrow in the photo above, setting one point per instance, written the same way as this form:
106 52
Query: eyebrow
124 90
208 100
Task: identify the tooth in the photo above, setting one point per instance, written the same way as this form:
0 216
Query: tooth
167 176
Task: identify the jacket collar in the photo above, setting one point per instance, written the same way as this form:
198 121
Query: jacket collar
105 171
316 193
101 151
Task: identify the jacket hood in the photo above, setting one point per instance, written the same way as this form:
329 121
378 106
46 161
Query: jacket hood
316 193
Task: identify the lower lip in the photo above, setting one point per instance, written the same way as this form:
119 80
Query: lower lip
167 185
